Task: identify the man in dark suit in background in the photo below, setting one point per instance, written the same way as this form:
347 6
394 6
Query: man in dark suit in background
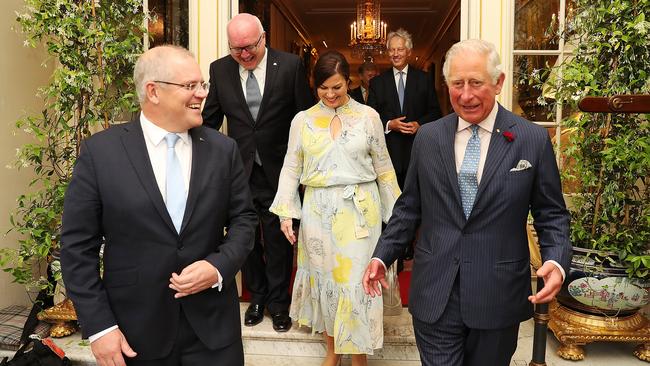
367 71
158 192
474 177
405 99
259 90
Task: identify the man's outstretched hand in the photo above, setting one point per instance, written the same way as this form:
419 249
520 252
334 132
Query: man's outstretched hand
374 276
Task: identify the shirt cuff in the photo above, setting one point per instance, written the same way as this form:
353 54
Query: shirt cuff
380 261
96 336
219 281
559 267
386 132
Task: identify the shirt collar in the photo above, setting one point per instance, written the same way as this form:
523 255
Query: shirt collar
243 73
405 70
156 134
486 124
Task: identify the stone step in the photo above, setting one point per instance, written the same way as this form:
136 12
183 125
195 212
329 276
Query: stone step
264 346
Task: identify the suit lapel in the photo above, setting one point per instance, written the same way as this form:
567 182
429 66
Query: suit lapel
391 92
272 66
235 81
448 156
409 89
497 149
136 149
198 174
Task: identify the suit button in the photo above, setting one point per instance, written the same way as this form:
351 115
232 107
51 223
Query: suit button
181 247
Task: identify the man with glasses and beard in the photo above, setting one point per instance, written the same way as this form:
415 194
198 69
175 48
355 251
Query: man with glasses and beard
259 90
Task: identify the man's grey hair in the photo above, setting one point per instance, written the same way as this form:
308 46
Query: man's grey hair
477 47
154 65
403 34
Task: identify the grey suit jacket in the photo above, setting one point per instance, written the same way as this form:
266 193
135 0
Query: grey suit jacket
286 92
489 250
113 198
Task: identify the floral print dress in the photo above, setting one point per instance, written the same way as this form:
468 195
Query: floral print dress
350 187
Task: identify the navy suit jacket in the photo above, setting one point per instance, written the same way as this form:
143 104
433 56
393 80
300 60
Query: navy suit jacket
113 198
420 104
489 250
286 92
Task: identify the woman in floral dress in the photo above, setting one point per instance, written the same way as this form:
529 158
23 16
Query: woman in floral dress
338 152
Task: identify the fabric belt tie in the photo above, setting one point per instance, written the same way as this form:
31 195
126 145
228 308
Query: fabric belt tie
350 192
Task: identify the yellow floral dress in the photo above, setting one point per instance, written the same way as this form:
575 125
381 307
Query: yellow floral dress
350 187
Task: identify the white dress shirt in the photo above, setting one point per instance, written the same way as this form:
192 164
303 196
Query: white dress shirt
260 75
396 72
463 133
154 138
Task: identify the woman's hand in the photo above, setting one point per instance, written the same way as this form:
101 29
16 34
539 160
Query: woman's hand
286 226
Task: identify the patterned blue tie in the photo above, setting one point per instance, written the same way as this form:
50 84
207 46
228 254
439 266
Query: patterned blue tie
400 90
467 180
174 183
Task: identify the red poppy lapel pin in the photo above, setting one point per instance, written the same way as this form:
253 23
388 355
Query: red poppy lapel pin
509 136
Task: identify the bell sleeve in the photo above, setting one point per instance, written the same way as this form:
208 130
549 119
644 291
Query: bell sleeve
286 203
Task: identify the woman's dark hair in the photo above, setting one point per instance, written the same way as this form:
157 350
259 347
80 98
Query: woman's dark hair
329 64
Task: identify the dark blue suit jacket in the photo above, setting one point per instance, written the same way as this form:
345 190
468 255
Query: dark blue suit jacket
113 198
420 104
489 250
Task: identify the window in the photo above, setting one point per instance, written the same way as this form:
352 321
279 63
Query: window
537 45
170 23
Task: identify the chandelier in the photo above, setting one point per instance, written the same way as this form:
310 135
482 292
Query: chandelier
368 32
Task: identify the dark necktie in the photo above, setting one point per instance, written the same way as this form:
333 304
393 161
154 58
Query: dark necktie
400 90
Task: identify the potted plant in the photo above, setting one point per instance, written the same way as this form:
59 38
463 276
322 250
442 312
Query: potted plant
94 44
608 155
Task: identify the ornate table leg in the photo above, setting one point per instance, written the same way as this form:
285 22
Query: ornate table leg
571 352
642 352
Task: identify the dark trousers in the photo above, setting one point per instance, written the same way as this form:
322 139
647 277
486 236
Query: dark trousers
449 342
188 350
267 271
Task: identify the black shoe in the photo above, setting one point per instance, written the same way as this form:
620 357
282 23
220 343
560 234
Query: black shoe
254 314
281 321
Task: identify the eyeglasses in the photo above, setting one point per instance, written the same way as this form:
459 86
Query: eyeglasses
250 48
193 87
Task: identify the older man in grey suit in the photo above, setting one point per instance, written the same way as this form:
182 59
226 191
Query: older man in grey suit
474 177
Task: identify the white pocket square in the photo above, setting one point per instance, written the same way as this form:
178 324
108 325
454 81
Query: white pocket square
522 165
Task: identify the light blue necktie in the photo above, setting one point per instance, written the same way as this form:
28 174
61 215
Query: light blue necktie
400 90
175 187
253 95
467 180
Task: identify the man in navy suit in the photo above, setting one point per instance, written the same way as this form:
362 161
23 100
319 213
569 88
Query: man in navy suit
158 192
405 99
475 175
259 90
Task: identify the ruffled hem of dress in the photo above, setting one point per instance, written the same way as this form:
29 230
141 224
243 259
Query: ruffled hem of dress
355 320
